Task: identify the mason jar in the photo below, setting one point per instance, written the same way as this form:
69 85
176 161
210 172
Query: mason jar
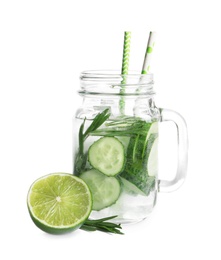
115 133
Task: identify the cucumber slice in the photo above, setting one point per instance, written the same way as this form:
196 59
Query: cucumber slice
107 155
105 190
138 161
152 164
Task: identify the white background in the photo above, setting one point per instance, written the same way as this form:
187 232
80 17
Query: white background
44 45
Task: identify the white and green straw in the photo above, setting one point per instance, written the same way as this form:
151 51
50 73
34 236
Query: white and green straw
148 54
126 53
125 67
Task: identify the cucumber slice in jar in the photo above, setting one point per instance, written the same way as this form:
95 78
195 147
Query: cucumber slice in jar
105 190
107 155
138 157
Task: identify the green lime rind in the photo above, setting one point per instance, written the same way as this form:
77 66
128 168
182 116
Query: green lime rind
51 229
105 190
59 203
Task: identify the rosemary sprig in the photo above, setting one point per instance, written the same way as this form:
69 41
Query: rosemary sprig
102 225
123 128
97 122
81 157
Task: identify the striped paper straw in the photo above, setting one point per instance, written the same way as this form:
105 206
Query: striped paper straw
125 67
126 53
148 54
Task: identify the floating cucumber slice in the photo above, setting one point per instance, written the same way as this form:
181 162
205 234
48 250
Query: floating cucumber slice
105 190
107 155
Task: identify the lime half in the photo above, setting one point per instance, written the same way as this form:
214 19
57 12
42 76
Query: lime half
59 202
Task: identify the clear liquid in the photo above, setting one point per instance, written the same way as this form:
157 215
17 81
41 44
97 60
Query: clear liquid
136 200
129 208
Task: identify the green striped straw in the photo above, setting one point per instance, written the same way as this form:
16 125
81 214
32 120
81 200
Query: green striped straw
125 67
148 54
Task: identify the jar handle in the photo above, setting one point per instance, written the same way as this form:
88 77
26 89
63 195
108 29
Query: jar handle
182 139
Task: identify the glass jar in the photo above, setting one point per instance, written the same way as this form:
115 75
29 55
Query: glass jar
116 144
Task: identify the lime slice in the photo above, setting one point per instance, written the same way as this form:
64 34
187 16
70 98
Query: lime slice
59 202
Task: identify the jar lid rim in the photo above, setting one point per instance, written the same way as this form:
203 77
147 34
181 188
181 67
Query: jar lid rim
112 82
112 74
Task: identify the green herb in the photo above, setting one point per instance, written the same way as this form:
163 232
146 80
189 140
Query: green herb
102 225
97 122
127 127
81 157
138 152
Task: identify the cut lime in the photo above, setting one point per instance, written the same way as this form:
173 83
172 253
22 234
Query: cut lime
59 202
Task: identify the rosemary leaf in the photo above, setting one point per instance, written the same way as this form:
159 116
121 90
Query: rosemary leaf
102 225
81 157
97 122
99 220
